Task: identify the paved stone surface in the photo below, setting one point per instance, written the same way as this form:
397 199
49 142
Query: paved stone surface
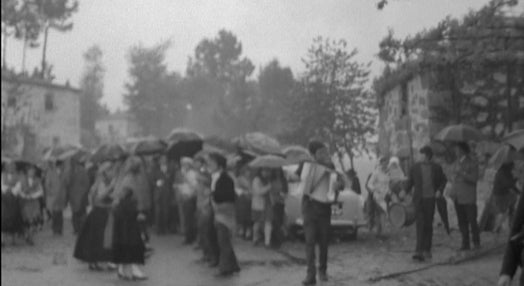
50 262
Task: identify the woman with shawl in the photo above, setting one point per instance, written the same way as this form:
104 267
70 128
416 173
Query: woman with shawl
378 188
31 191
129 207
223 200
94 242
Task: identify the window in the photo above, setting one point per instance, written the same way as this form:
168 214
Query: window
49 102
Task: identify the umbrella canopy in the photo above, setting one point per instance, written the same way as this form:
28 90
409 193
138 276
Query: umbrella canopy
258 143
268 161
61 152
146 146
219 144
297 154
178 149
504 154
515 138
459 133
108 152
183 135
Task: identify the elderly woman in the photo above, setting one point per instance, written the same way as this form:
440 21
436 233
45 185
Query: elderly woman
223 199
129 206
94 243
261 206
378 188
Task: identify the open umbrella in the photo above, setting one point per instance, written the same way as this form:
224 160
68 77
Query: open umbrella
268 161
146 146
183 135
60 152
459 133
258 143
297 154
504 154
108 152
219 144
515 138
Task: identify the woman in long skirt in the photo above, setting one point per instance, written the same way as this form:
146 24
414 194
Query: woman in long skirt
31 191
224 197
128 245
94 242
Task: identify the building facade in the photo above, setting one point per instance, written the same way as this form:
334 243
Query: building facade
37 114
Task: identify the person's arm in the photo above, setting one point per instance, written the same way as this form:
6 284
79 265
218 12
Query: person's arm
39 190
259 188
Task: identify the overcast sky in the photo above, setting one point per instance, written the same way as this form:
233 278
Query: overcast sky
268 29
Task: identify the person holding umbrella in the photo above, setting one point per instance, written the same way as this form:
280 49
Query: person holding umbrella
56 182
78 192
426 182
464 194
504 191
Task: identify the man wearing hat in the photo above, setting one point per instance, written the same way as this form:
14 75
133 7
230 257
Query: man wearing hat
427 180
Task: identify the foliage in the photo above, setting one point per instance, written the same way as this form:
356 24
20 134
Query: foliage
153 94
92 85
475 63
332 102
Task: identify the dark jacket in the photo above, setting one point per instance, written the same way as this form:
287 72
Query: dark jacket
78 188
464 187
415 180
224 189
504 182
513 256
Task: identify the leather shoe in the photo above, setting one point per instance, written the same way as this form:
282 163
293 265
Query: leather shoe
309 281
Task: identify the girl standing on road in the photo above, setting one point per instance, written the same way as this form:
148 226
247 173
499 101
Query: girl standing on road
129 207
261 207
30 193
378 187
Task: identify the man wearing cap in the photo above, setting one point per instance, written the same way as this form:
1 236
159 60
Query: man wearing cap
427 180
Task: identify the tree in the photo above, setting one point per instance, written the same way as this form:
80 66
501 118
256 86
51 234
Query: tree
475 62
153 94
92 85
54 14
276 85
333 103
220 60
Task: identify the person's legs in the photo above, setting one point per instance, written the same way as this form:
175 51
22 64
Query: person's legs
323 227
78 220
429 214
472 222
463 224
420 221
310 233
189 215
57 222
228 263
268 228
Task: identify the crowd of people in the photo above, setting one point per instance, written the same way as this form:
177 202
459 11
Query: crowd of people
208 202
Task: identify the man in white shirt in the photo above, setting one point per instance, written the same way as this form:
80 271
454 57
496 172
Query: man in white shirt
316 209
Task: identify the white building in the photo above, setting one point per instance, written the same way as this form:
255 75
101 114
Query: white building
37 114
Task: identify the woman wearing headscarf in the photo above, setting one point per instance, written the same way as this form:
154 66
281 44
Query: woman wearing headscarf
396 177
94 242
223 200
378 188
129 207
31 191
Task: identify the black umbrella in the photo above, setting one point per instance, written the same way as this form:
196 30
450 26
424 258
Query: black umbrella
108 152
177 150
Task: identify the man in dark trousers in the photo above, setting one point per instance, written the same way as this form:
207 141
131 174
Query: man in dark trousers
464 194
316 210
514 255
427 180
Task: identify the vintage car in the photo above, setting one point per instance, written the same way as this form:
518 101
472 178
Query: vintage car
346 213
